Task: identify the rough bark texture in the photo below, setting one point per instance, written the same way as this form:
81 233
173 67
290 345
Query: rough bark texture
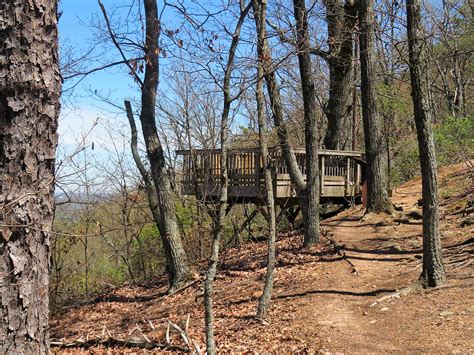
219 222
355 98
375 147
297 179
310 117
341 19
153 201
433 273
264 302
178 267
29 104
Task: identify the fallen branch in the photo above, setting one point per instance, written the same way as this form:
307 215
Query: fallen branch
189 284
86 344
184 334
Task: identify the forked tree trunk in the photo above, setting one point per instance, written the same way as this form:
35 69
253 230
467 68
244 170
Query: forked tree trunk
311 234
178 267
219 220
29 105
264 302
375 147
153 203
433 273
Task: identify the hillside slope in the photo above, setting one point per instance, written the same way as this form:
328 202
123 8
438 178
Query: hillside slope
336 297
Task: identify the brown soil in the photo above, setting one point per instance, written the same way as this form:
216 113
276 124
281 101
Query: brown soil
322 301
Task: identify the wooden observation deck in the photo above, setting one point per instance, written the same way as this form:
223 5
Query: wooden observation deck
342 178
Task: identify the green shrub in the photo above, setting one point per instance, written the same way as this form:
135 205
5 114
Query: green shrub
406 164
454 140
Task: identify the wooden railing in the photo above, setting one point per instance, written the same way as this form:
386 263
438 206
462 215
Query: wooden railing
341 173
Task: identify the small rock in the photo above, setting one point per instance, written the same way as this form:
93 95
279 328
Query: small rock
372 321
396 248
446 313
364 313
384 309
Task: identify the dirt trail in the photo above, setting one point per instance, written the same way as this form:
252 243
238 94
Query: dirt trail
387 255
320 303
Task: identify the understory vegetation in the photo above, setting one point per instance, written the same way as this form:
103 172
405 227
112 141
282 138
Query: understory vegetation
123 246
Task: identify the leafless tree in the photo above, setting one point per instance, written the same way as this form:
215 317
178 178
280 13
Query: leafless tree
220 213
375 148
311 224
264 302
162 201
433 273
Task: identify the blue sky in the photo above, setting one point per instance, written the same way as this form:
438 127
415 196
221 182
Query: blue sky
84 115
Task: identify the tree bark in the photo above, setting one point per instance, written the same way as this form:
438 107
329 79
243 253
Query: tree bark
312 189
341 19
264 302
311 234
29 105
178 267
153 203
355 98
433 273
219 222
375 147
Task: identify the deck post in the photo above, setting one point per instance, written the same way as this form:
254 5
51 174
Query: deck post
348 176
322 174
257 173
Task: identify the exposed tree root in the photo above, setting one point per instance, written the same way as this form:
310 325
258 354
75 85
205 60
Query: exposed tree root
339 250
403 292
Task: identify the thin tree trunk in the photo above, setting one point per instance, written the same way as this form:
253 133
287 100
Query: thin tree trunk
29 105
219 221
264 302
375 147
310 117
311 232
178 268
433 273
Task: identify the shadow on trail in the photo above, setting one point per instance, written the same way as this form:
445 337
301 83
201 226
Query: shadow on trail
318 292
388 251
338 292
377 259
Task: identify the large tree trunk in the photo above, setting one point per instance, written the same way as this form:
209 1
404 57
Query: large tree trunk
433 273
341 19
178 267
375 147
264 302
310 117
311 234
29 105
